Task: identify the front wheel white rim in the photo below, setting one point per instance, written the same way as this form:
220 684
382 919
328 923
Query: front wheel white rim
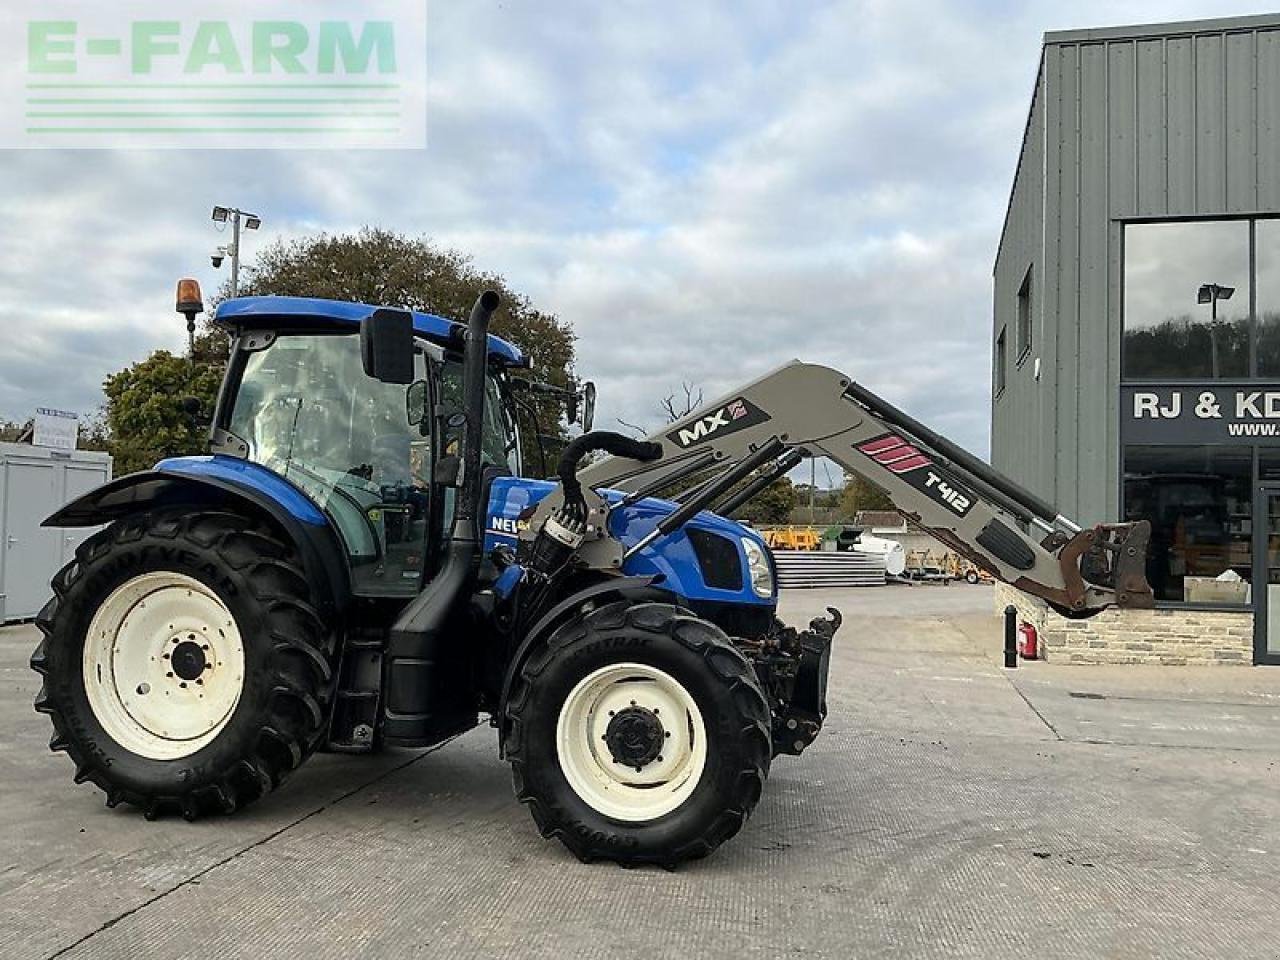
163 665
663 777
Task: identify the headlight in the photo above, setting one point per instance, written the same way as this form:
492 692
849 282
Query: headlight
758 568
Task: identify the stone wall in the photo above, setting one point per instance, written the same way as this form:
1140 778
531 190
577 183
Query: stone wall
1170 637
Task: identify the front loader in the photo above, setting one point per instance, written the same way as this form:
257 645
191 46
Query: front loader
357 564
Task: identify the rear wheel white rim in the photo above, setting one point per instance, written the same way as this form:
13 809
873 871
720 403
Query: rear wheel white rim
163 665
608 786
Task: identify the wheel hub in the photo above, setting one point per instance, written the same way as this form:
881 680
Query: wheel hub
634 736
163 665
188 660
631 742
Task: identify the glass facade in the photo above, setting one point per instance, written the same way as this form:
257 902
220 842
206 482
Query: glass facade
1199 502
1267 296
1201 305
1172 328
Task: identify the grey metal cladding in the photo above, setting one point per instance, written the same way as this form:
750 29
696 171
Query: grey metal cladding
1127 123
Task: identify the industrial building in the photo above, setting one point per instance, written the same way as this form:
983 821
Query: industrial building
1136 335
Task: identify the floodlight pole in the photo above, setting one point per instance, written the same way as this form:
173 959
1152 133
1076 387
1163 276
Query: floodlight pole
235 254
1215 292
239 219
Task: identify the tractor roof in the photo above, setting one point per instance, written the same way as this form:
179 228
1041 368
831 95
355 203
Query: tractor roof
283 312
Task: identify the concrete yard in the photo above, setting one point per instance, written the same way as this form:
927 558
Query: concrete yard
950 809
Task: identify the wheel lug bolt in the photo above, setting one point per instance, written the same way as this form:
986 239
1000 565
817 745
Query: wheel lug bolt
667 734
169 674
200 681
659 758
183 684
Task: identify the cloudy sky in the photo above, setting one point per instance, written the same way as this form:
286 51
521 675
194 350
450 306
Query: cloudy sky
703 189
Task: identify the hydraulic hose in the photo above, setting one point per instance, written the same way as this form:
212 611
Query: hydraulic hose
617 444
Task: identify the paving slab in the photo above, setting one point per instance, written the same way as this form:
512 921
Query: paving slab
950 809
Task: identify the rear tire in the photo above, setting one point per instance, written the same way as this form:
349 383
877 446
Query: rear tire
130 707
645 661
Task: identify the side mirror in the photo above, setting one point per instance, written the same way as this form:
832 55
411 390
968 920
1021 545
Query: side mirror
386 346
588 406
415 402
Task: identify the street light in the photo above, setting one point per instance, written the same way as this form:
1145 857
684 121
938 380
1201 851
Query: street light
1211 293
251 222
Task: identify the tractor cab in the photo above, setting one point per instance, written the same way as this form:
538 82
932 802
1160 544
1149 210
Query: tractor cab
378 458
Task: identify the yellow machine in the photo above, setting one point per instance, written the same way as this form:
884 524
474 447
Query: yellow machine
793 538
961 568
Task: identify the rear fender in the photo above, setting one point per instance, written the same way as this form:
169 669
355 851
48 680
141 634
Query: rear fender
226 483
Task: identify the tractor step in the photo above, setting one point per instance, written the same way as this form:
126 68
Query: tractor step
353 725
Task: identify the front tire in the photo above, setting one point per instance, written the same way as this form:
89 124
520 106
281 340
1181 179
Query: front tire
184 666
639 734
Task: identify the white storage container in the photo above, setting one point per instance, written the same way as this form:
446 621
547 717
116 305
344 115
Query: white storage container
34 482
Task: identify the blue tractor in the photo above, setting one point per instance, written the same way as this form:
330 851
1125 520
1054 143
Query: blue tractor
359 564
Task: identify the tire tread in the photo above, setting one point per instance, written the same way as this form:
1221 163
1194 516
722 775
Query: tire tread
722 661
302 659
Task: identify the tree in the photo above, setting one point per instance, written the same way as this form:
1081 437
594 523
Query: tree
679 409
861 494
95 431
374 266
144 412
773 504
671 408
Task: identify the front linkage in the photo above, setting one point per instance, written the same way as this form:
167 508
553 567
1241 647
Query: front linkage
792 666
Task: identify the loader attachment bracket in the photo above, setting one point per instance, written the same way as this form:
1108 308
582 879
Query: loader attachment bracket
1131 586
1109 556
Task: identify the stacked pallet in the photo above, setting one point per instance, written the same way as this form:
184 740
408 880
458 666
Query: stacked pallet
820 568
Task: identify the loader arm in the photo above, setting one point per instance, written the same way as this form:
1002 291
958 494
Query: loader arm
749 437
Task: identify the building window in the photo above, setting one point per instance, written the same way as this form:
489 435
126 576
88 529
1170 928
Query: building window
1186 300
998 375
1267 295
1199 504
1025 314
